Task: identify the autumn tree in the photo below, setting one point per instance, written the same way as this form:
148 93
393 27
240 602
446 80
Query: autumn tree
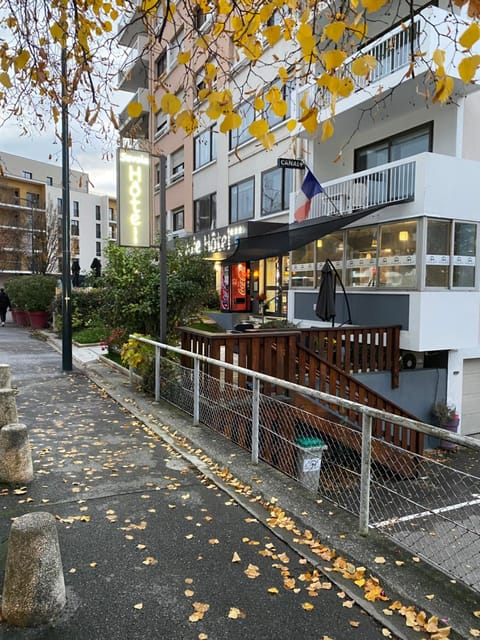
244 50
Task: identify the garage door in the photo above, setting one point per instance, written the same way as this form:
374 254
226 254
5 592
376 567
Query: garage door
471 397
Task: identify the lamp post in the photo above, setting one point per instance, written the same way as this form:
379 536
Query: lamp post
66 281
163 250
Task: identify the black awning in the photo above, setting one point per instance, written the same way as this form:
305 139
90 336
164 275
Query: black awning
292 236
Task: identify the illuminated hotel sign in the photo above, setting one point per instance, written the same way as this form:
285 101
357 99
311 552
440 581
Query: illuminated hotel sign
133 198
216 241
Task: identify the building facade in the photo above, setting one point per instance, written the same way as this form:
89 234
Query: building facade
30 218
412 261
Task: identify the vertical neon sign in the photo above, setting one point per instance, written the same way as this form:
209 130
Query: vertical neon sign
134 198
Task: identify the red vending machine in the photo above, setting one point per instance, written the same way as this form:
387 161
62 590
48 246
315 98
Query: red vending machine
235 288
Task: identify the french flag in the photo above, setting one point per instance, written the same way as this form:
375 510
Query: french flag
310 188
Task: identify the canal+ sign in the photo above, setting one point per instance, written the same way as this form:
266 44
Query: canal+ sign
290 163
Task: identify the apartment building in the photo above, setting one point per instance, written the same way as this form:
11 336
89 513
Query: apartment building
407 173
31 204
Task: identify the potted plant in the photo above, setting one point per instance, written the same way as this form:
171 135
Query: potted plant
39 293
447 418
16 292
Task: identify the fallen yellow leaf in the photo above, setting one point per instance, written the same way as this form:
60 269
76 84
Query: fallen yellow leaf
308 606
236 557
475 633
273 590
236 613
138 605
380 560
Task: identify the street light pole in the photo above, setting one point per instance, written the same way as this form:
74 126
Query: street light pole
163 250
66 280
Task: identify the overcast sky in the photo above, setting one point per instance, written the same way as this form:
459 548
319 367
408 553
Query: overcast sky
45 147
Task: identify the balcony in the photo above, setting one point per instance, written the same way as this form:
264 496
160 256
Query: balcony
432 29
136 128
418 183
133 73
130 26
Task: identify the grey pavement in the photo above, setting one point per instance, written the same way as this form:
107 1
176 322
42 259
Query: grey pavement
151 529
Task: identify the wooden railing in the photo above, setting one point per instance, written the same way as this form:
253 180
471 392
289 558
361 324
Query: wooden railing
285 355
357 349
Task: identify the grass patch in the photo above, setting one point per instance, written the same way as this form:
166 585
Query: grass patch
211 327
89 335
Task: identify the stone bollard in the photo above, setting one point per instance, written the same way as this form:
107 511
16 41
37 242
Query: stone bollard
8 406
15 455
5 377
34 587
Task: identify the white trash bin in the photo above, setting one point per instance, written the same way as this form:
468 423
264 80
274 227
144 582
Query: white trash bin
309 461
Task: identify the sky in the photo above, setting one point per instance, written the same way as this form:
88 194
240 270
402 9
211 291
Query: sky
45 147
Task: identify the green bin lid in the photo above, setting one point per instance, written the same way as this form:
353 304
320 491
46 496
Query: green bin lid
309 442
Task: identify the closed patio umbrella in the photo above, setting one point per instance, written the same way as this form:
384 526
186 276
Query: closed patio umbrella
325 307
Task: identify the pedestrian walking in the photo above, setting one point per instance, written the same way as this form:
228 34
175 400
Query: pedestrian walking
4 305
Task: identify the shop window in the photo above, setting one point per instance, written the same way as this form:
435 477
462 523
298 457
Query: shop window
242 200
205 213
397 255
302 270
361 257
205 148
277 184
438 253
331 248
464 245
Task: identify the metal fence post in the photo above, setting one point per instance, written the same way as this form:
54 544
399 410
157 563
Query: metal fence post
157 373
365 476
196 392
255 418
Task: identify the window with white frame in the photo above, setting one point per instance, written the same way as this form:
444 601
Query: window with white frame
242 200
161 64
205 213
451 254
242 134
173 50
176 165
76 209
161 124
205 148
286 92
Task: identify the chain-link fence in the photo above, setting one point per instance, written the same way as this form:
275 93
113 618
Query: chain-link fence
428 504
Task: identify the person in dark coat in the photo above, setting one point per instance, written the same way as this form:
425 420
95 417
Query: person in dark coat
4 305
96 267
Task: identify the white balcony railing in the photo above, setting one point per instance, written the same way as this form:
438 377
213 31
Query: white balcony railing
411 44
388 184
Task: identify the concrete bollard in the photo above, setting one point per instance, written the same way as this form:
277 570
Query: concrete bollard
8 406
15 455
5 377
34 587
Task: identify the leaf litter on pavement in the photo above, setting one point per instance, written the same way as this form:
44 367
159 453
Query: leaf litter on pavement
84 469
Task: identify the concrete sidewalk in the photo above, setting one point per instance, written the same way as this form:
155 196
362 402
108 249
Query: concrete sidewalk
112 437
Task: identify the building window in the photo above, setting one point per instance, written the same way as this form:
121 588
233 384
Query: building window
75 228
307 261
173 50
98 212
49 180
205 148
157 174
242 134
112 214
98 249
33 199
438 253
361 257
59 206
464 244
176 165
397 147
27 175
76 209
161 124
98 231
286 91
178 219
397 254
201 19
161 64
242 200
277 184
205 213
